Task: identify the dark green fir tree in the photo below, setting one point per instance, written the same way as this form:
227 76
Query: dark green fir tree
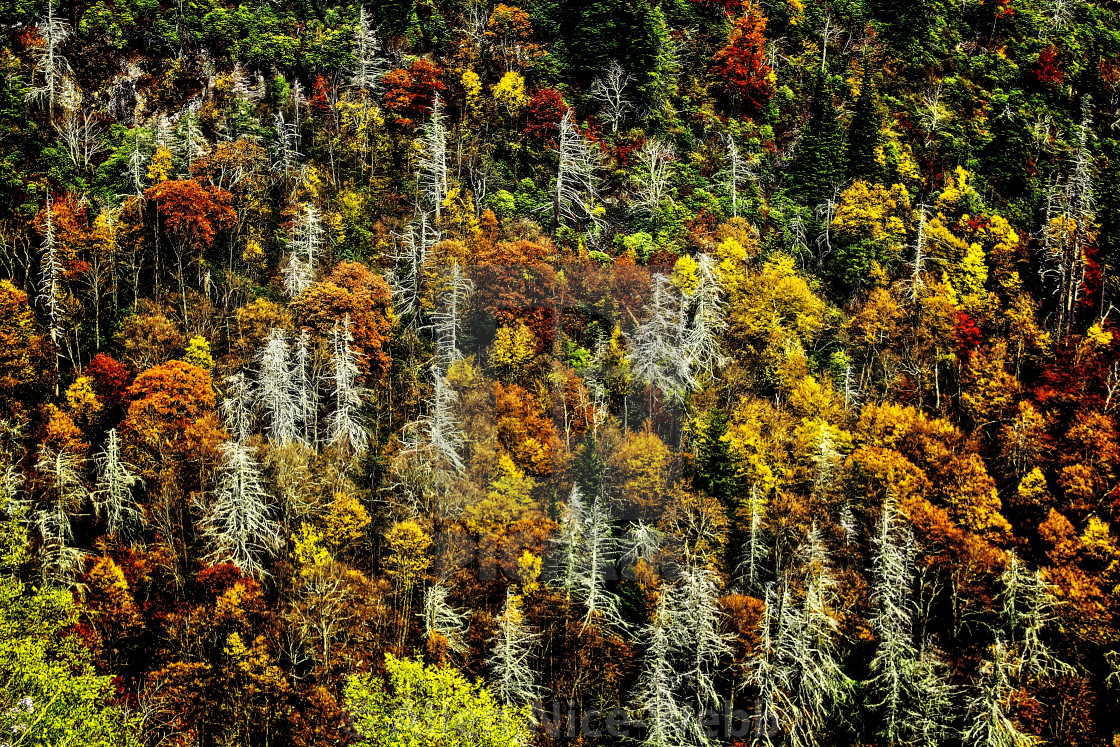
819 167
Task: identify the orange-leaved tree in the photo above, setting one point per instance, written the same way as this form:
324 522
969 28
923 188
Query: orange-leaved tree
742 66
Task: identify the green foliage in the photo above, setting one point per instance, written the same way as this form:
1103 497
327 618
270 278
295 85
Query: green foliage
422 705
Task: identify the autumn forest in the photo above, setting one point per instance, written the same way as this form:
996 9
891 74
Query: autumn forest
455 373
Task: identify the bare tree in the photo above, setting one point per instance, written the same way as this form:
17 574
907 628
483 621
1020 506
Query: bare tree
237 407
368 68
513 679
447 323
306 241
345 425
576 189
275 389
49 68
442 619
655 169
708 324
51 275
609 92
989 723
239 524
433 158
63 495
667 719
113 497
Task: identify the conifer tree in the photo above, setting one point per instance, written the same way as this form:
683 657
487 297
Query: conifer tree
564 560
368 68
715 466
447 323
124 518
819 167
1027 603
863 132
513 679
755 546
276 389
63 496
655 170
345 425
239 524
50 66
306 241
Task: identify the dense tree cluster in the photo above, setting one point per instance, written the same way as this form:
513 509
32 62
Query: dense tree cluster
679 372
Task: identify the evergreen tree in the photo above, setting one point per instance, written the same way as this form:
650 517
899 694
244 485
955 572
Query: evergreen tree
715 472
863 133
818 168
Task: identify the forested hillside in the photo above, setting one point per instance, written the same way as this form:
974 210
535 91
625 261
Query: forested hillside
602 372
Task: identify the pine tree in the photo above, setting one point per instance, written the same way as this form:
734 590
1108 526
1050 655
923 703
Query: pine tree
239 524
124 518
440 429
667 719
433 158
988 722
715 466
63 496
863 133
819 167
768 673
345 425
513 679
276 390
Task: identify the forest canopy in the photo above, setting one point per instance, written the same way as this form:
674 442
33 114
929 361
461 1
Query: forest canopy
599 372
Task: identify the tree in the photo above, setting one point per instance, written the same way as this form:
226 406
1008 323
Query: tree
433 158
368 68
21 343
1026 607
405 566
440 618
715 467
64 494
575 191
237 407
863 132
819 167
914 698
989 724
440 706
658 347
742 68
276 391
113 497
51 693
595 564
512 677
345 426
668 720
51 277
50 66
304 245
609 91
239 524
654 174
